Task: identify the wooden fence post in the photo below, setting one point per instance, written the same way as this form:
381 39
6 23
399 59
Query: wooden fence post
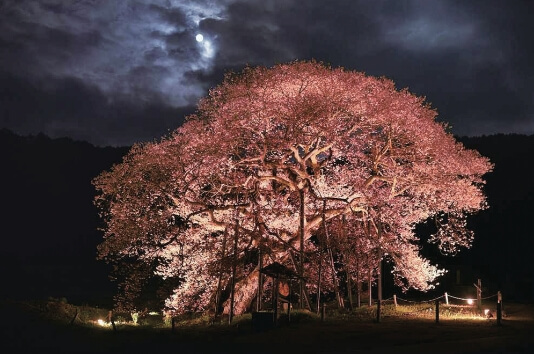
75 315
499 308
437 311
395 300
446 298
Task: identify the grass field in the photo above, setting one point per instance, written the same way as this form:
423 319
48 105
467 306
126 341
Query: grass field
58 327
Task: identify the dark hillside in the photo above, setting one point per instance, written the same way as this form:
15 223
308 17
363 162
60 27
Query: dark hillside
49 221
503 245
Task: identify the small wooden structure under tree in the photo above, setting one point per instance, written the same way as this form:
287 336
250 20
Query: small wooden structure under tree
277 272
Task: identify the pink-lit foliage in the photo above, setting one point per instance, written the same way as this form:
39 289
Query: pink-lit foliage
370 160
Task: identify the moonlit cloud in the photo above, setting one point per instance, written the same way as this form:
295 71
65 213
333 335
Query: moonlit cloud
126 48
131 59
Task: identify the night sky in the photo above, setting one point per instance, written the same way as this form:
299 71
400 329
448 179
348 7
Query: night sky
119 72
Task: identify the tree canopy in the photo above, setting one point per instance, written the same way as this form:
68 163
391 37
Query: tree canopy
300 164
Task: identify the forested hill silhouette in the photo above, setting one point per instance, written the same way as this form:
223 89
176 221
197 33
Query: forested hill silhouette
49 224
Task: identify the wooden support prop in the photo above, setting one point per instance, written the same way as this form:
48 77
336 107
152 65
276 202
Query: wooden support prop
395 300
349 290
275 302
219 282
437 311
369 284
234 266
446 298
259 294
289 303
319 282
359 295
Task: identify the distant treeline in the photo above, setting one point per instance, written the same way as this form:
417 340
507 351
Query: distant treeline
504 246
50 226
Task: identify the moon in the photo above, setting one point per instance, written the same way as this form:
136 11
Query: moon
199 37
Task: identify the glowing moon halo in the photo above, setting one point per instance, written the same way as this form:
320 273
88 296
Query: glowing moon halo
199 37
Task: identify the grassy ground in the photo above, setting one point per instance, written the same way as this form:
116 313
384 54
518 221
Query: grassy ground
59 327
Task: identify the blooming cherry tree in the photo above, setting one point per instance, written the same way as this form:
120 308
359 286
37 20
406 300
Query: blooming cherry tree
269 167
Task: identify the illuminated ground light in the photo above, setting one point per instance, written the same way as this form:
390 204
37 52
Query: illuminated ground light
470 301
199 37
103 323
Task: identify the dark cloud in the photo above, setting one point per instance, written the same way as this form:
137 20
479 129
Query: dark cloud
68 107
171 16
119 72
470 59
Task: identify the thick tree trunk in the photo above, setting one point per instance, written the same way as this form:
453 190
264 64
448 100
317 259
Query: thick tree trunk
244 293
246 290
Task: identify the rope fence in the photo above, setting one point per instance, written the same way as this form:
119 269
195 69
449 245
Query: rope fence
422 301
446 298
